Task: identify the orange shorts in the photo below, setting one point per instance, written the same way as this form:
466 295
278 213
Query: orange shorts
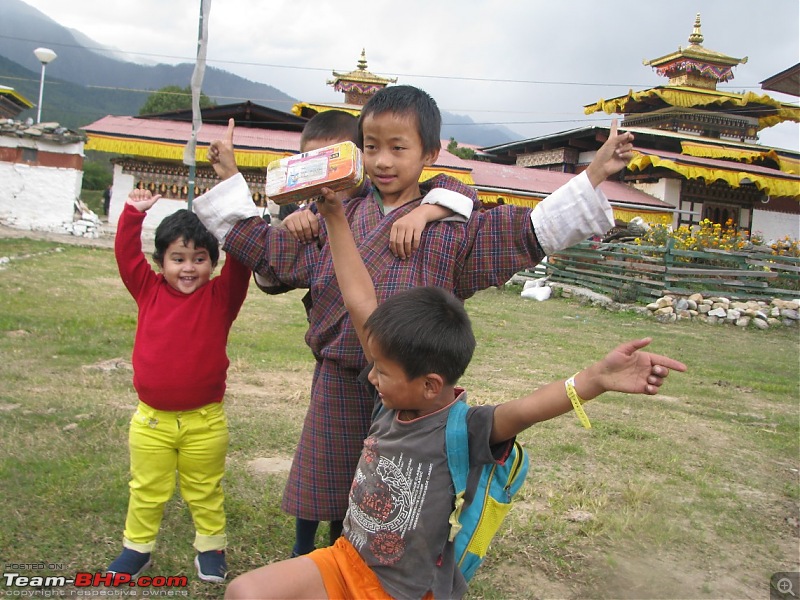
345 574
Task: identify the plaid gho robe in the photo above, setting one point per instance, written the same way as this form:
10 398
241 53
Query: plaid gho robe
461 257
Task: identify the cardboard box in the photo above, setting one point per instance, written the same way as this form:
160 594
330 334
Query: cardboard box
301 176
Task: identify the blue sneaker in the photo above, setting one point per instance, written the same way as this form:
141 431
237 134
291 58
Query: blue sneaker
131 562
211 566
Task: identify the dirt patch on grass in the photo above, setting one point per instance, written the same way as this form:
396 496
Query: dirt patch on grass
523 581
270 465
284 391
637 574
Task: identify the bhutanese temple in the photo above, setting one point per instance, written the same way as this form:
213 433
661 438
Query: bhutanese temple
696 146
148 152
358 86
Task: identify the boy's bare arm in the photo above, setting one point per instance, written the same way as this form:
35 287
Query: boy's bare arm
625 369
448 199
403 239
220 154
303 224
612 156
407 230
355 282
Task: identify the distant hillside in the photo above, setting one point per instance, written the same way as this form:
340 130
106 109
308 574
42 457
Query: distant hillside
23 29
67 103
465 131
82 63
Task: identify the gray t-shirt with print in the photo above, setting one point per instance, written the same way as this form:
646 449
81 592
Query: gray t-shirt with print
402 496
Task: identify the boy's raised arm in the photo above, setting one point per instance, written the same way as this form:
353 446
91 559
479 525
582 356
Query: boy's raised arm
625 369
579 209
355 282
134 268
612 157
220 154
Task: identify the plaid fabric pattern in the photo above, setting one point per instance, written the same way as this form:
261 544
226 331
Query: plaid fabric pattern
335 426
462 257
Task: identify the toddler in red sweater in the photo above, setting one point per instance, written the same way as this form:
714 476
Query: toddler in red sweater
180 365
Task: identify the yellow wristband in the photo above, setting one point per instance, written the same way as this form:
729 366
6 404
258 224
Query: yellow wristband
577 401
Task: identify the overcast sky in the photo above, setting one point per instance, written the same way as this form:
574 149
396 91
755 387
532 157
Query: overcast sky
529 64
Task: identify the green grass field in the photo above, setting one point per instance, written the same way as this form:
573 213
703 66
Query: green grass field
693 493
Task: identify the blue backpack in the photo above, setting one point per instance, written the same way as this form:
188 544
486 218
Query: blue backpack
473 526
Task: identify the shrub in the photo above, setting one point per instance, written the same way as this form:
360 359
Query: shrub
714 236
786 246
705 236
95 176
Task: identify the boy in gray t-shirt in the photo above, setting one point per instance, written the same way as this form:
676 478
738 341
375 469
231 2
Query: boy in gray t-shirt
402 496
419 343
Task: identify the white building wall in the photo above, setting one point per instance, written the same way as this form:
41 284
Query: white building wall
770 224
775 225
39 198
666 189
123 185
584 158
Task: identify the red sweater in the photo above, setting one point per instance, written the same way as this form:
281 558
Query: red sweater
179 357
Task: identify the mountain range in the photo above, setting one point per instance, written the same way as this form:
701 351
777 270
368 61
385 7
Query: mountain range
88 82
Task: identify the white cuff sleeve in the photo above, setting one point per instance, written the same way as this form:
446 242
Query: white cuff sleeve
262 281
224 205
459 204
572 213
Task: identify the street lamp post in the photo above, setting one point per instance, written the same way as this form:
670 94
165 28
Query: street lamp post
45 55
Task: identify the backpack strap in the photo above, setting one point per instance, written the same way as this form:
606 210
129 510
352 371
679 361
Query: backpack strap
457 446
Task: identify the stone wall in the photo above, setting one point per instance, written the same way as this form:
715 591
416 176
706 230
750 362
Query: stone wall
717 310
714 310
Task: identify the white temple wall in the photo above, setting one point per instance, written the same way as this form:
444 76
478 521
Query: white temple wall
122 186
776 225
666 189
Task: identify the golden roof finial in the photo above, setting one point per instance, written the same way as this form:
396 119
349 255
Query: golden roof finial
360 83
696 65
697 37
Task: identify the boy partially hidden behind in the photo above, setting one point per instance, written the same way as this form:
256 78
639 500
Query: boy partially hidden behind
179 370
418 343
335 423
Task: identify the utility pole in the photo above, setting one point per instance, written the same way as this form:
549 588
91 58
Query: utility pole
189 153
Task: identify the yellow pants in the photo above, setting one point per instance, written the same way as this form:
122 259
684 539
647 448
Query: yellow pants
192 443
